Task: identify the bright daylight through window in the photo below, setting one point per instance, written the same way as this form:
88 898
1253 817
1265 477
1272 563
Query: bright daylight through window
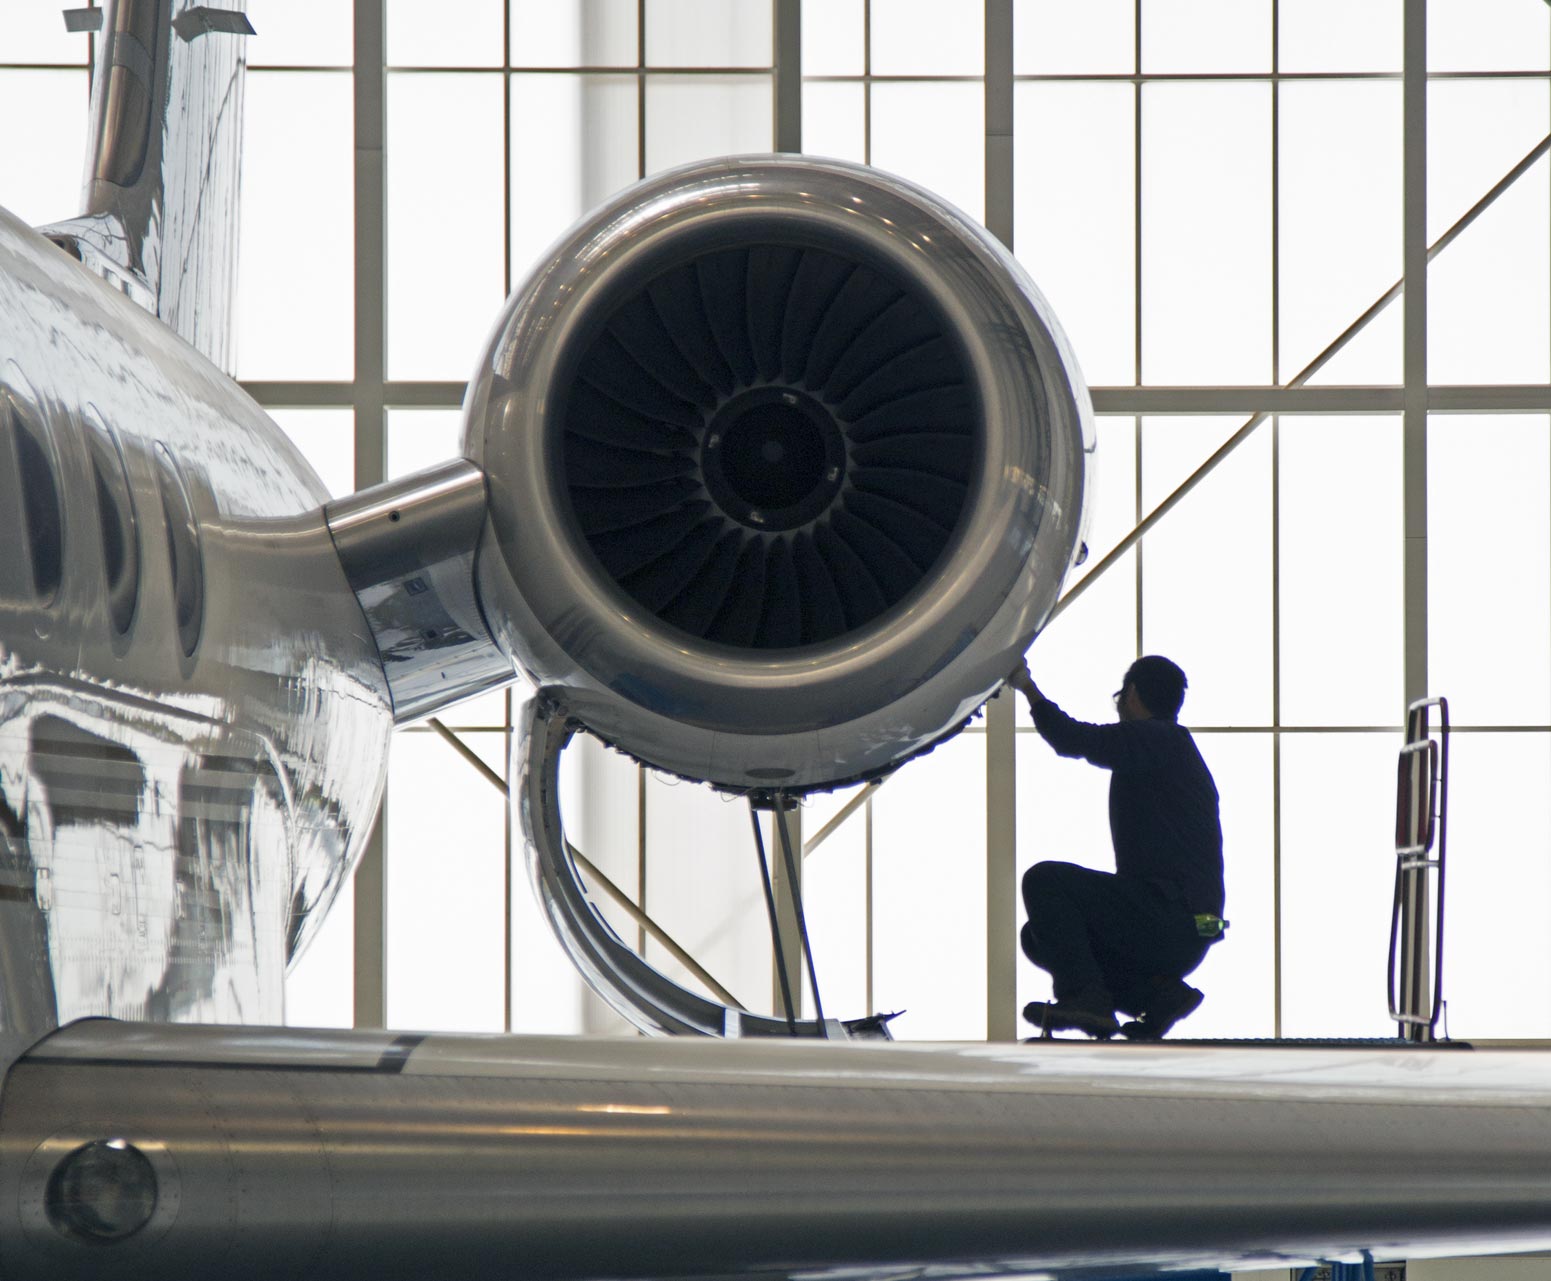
1213 195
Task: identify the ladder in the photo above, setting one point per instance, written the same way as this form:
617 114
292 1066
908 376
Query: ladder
1421 842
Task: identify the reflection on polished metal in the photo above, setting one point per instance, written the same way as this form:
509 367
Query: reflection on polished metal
638 992
162 188
594 875
336 1154
193 717
787 460
408 550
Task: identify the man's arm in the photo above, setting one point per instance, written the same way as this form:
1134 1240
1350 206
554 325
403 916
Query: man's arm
1110 746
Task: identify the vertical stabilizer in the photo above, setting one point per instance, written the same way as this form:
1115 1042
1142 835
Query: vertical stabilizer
164 164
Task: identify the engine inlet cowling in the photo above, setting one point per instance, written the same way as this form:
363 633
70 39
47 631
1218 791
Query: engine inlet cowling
787 460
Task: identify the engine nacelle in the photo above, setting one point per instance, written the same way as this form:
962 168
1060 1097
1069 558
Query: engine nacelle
786 463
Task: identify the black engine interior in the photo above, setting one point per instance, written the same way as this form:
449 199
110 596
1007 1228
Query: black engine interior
769 446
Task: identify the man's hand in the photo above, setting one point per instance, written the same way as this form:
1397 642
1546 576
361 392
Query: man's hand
1022 679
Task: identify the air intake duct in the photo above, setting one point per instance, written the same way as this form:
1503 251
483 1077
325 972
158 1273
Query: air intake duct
770 445
787 459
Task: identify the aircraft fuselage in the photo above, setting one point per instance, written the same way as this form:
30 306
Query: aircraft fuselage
193 717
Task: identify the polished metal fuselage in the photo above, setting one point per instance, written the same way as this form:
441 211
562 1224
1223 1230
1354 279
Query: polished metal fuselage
344 1155
174 819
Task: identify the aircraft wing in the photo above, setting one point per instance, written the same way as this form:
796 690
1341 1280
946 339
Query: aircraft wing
170 1152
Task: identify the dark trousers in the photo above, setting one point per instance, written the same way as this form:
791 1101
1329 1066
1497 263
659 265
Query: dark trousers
1098 930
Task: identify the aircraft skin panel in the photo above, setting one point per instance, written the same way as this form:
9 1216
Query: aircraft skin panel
74 338
349 1154
175 628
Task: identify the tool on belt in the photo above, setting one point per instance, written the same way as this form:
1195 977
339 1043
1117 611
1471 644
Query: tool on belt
1209 926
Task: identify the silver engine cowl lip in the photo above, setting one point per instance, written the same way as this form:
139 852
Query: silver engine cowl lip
887 688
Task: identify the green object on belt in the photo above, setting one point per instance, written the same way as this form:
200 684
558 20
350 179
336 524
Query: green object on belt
1209 926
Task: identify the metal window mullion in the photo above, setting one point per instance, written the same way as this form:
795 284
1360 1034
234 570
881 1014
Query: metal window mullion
640 852
999 159
1136 197
899 77
508 849
1001 744
1413 951
787 86
508 729
867 906
640 88
867 79
1136 517
786 856
452 739
1203 400
1136 301
1414 327
1292 731
1276 209
1219 77
506 147
370 995
867 159
1001 898
1293 398
1276 523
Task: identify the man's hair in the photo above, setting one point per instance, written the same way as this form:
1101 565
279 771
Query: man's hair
1159 683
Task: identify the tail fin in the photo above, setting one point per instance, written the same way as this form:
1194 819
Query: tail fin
164 165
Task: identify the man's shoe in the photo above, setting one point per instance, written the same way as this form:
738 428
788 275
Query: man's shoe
1088 1012
1175 1002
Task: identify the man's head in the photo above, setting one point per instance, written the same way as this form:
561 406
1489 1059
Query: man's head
1153 686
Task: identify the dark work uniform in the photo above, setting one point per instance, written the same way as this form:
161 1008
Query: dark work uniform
1132 931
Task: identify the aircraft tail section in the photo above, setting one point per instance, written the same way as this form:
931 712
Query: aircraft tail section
163 165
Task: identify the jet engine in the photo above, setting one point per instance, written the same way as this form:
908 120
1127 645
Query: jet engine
786 461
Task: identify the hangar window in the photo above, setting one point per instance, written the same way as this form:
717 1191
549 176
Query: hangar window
119 527
40 503
185 557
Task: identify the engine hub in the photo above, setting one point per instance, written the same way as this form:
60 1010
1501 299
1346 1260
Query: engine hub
773 459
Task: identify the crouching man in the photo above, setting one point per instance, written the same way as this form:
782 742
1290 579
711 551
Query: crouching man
1126 940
